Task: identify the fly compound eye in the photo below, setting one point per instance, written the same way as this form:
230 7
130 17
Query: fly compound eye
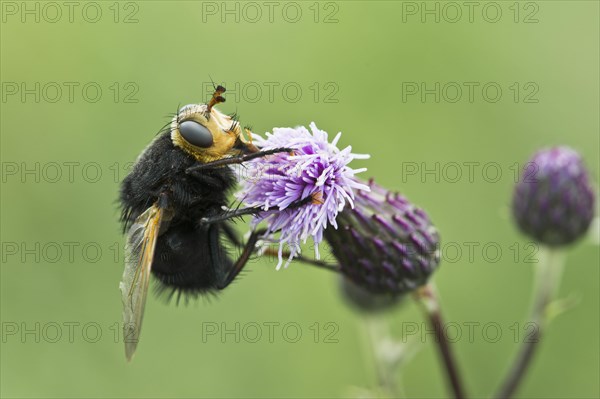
196 134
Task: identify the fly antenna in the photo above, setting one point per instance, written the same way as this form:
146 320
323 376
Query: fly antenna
216 97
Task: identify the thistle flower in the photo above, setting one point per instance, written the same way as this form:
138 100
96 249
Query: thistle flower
553 201
385 244
316 175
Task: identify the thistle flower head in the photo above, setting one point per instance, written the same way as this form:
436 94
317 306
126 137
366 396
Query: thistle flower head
553 201
303 192
385 244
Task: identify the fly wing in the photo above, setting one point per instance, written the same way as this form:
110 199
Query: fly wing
139 253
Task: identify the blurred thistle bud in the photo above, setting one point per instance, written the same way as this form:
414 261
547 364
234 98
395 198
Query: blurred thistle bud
553 202
362 300
384 244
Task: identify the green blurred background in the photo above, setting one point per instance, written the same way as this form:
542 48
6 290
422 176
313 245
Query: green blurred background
353 62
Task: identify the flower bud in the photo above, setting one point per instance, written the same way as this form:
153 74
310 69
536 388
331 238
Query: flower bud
365 301
384 244
553 202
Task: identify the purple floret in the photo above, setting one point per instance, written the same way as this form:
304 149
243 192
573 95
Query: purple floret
316 174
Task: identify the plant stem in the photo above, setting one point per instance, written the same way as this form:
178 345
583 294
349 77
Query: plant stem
427 297
547 279
377 329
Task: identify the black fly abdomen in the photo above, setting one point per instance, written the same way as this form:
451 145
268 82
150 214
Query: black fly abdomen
185 254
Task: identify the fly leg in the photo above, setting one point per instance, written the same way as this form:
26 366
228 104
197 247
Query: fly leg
242 260
235 160
252 210
232 235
